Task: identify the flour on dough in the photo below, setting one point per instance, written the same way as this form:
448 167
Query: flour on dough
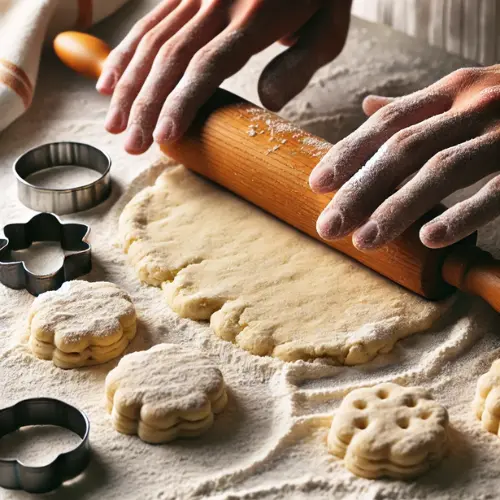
166 392
81 324
389 430
487 399
262 285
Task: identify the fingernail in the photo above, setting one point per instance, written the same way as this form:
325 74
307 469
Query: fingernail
164 131
115 120
366 236
107 81
321 179
135 138
435 232
329 224
271 94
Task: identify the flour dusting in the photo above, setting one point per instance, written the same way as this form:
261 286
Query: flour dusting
63 177
270 441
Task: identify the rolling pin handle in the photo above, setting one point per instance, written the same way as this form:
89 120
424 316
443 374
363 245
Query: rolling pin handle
474 271
81 52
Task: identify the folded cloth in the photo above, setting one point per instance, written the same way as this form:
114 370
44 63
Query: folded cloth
24 26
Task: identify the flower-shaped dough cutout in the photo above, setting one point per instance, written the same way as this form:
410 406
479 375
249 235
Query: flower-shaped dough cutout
165 392
389 430
81 324
487 399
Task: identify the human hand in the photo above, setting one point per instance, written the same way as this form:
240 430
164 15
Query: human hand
174 58
447 134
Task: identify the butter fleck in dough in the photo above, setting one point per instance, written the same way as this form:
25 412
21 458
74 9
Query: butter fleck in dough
262 285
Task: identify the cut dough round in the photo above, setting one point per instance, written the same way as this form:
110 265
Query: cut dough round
165 392
263 285
487 399
389 430
81 324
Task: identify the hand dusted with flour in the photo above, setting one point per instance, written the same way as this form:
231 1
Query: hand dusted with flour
81 324
166 392
262 285
446 136
176 56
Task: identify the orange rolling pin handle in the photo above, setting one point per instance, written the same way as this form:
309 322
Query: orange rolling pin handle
274 176
81 52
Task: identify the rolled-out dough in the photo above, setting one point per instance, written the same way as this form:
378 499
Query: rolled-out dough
262 284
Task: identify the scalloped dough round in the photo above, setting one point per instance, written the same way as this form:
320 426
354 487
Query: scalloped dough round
389 430
81 324
166 392
263 285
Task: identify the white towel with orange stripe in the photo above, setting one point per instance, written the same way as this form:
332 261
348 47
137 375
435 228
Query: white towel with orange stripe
24 27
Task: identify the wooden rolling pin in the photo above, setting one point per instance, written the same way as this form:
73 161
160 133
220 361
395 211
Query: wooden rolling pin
267 160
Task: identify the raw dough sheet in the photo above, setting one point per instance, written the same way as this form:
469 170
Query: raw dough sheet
270 442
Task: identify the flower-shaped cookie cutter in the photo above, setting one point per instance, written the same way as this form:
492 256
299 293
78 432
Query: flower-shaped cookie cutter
44 411
44 227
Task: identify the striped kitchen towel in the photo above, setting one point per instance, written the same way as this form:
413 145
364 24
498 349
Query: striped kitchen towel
24 26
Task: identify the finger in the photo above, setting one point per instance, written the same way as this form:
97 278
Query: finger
211 65
446 172
137 71
166 72
398 158
251 31
118 59
464 218
289 40
349 155
317 43
372 103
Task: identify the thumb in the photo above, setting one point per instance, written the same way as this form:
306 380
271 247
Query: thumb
319 41
372 103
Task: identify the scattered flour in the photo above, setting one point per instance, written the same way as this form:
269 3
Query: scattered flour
38 445
269 443
43 257
63 177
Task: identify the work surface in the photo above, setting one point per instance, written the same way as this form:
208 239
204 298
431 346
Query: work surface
270 441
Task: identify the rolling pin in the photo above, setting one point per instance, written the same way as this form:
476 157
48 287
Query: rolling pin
267 161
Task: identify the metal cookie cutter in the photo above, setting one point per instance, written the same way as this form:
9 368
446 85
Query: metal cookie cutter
44 227
63 201
44 411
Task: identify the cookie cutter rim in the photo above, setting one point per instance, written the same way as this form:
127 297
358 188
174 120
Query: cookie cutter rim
16 275
65 200
14 474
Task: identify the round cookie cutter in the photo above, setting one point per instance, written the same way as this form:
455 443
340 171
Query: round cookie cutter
44 411
63 201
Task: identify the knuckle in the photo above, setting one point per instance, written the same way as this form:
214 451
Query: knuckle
141 26
494 185
150 41
443 160
403 142
256 8
488 97
389 114
117 57
173 53
143 108
124 89
206 56
464 75
217 4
